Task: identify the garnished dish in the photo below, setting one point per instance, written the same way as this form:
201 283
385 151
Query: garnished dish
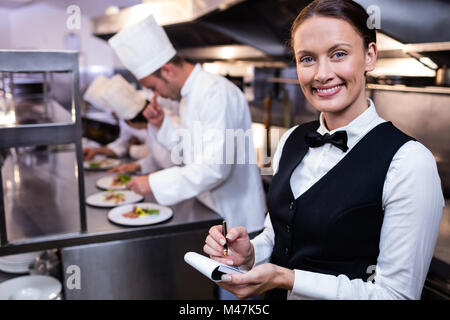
115 197
138 212
120 180
101 164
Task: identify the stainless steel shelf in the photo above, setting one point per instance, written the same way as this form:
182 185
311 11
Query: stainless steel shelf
40 134
29 61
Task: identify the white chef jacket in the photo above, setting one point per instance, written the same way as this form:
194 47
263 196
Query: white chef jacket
412 200
159 157
120 145
213 104
150 154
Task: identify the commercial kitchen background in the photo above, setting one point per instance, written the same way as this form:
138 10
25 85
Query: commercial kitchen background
245 41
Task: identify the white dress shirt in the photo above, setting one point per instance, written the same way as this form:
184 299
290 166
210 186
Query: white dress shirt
212 106
412 200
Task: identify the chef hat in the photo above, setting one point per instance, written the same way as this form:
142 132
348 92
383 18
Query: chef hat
143 47
95 91
122 98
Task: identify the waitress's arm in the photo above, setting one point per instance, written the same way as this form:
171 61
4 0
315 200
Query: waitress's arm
413 202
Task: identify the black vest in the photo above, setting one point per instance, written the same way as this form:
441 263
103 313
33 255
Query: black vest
333 227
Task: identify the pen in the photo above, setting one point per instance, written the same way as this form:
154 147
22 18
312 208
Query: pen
224 232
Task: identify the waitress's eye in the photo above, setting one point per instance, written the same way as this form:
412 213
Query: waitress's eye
306 60
339 55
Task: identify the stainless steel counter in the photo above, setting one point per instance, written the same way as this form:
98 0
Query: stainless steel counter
41 203
114 262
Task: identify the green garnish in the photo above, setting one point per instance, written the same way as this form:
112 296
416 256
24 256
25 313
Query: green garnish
146 212
94 165
124 178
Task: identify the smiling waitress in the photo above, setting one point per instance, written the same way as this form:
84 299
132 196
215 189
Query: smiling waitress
355 204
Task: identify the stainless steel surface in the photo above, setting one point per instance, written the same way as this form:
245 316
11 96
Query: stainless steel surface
165 12
19 61
41 206
442 251
402 88
144 268
424 116
443 76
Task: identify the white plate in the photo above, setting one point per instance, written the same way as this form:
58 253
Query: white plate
106 183
97 199
34 287
18 263
116 214
105 163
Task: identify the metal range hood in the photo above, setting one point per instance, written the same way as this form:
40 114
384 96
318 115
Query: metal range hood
259 29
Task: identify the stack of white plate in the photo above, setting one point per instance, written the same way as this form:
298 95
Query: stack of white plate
34 287
18 263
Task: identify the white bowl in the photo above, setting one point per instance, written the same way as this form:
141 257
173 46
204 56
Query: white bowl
35 287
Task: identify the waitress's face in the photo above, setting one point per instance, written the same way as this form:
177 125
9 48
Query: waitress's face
331 61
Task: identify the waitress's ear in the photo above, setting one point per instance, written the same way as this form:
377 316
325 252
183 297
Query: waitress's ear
371 57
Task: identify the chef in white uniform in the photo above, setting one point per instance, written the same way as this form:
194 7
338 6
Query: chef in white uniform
210 107
119 97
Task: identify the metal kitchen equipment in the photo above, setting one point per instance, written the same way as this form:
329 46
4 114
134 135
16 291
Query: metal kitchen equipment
41 134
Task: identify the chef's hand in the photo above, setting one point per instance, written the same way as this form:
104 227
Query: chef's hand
126 168
260 279
139 185
89 153
154 113
240 249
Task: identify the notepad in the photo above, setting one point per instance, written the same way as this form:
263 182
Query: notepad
209 267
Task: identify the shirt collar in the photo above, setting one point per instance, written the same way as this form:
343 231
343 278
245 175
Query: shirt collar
189 83
358 127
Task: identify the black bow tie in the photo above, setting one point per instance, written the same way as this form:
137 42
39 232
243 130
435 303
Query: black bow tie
338 139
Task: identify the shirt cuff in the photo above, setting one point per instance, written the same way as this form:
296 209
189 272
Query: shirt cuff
312 285
261 250
162 186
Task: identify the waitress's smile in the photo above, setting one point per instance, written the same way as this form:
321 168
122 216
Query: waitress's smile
327 91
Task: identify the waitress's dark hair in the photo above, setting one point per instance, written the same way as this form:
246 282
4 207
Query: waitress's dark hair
347 10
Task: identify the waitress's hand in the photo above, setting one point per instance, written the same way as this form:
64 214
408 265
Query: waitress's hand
260 279
154 113
139 185
240 249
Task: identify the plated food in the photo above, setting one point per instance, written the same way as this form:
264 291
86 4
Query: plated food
101 164
144 213
113 198
139 212
116 182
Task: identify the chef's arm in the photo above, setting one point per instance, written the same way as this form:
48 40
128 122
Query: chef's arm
167 134
204 148
176 184
120 145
